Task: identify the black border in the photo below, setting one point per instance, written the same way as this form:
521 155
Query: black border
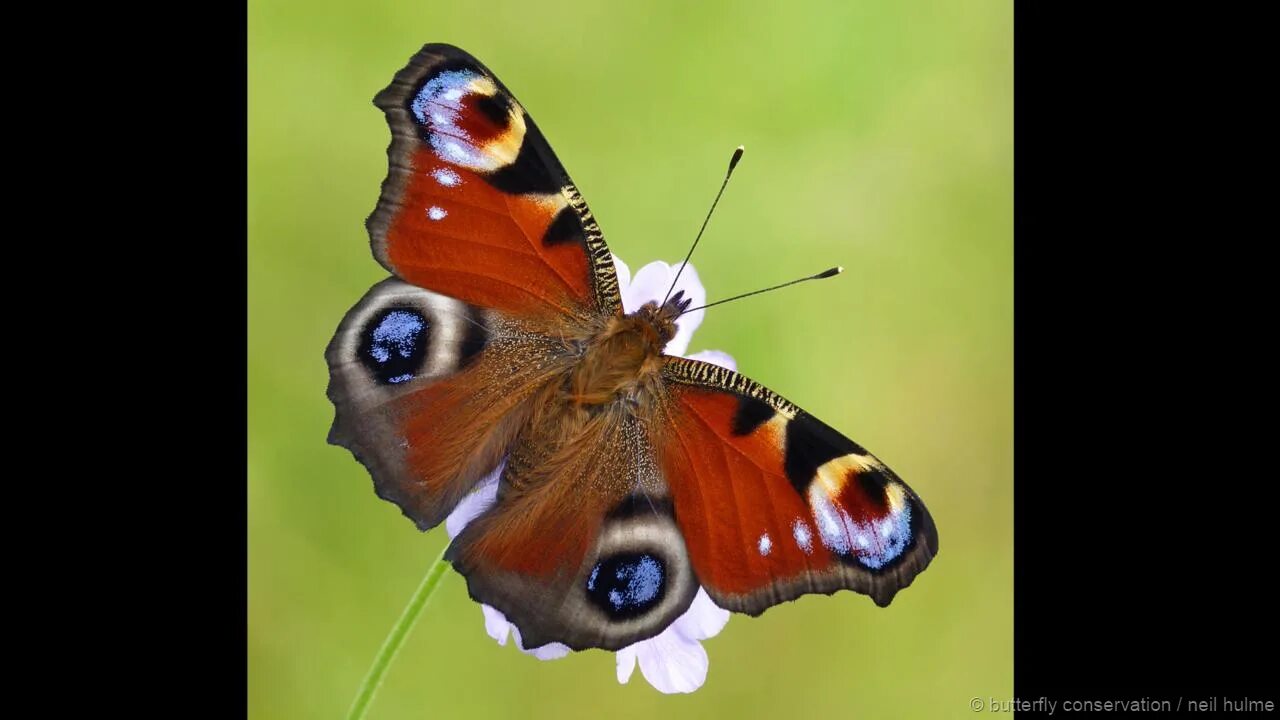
1141 537
142 255
1142 525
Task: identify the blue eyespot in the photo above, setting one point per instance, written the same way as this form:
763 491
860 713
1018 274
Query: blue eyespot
394 345
441 106
873 542
627 584
881 542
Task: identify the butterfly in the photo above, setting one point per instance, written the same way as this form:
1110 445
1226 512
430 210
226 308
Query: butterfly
629 478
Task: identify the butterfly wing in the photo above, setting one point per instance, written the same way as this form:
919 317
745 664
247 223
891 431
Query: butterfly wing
581 546
430 392
475 204
774 504
605 522
433 374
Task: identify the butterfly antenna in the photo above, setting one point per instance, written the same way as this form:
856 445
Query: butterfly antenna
733 163
832 272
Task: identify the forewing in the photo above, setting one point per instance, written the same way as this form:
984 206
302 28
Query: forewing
476 206
773 503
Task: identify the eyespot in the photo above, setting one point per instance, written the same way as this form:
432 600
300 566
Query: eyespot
867 520
393 345
628 585
468 121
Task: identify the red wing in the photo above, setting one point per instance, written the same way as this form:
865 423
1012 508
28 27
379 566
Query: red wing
581 546
476 206
774 504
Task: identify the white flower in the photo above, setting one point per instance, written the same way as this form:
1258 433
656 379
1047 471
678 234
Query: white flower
674 660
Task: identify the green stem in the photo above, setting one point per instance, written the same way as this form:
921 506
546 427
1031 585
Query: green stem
395 639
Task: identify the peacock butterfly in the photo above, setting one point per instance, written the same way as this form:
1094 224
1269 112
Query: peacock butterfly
631 477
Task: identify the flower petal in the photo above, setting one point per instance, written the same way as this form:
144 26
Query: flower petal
687 323
704 619
671 663
475 503
674 661
624 273
715 357
626 659
649 283
496 624
499 628
550 651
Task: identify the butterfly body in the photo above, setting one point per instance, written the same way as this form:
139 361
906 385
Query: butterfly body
628 476
623 363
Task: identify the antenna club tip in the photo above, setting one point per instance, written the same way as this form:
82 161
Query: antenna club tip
839 269
829 273
737 155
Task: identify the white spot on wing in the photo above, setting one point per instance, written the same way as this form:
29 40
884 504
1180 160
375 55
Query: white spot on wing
436 213
446 177
803 537
765 544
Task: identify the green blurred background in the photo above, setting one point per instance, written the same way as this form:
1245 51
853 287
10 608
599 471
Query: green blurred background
879 137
